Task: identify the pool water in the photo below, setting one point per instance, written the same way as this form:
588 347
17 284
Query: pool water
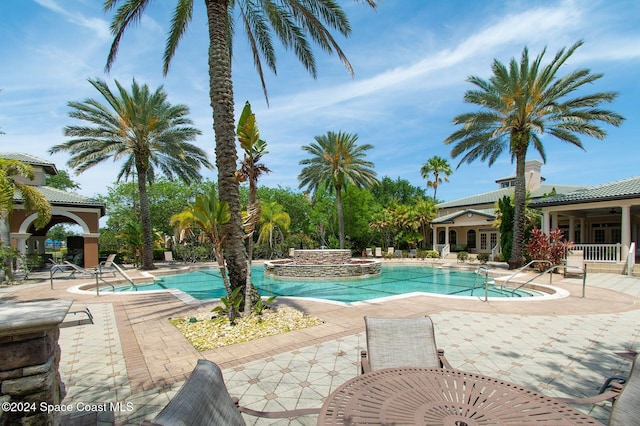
394 280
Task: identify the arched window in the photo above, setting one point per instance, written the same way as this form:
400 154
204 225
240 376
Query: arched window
453 237
471 239
441 236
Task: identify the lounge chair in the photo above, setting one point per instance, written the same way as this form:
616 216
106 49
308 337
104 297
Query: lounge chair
390 251
574 263
400 342
413 253
625 409
204 400
107 267
168 257
378 251
72 269
369 252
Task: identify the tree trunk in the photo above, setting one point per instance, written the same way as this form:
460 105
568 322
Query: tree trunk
517 257
340 217
145 219
221 94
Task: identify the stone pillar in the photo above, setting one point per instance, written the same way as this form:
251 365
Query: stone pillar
30 354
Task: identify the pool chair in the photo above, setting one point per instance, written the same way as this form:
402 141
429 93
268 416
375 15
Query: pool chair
400 342
625 409
168 257
107 267
574 263
71 270
204 400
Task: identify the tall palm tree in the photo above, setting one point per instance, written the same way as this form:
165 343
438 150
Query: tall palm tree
293 21
441 171
336 161
143 129
519 104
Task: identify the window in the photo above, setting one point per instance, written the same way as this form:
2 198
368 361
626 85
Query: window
494 239
453 237
471 239
441 237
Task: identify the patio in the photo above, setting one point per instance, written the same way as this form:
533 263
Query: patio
133 356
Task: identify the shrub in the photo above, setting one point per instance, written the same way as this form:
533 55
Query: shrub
550 247
463 256
483 257
432 254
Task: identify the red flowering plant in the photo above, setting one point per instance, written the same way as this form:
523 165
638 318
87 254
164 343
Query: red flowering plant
552 247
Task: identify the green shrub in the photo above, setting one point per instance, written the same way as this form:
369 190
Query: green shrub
483 257
463 256
433 254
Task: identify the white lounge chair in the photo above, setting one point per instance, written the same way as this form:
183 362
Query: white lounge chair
574 263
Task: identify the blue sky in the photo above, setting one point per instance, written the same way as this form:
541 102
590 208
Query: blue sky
411 60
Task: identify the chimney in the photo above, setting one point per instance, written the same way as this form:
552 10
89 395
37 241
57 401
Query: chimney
533 178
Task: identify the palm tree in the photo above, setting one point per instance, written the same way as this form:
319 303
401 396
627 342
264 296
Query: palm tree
293 21
337 162
12 190
144 130
440 169
519 104
274 221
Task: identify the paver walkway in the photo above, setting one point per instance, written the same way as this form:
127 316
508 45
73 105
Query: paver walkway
134 356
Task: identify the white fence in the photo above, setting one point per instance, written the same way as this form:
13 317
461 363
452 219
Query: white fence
600 252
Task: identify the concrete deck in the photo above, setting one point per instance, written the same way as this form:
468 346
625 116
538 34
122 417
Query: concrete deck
132 355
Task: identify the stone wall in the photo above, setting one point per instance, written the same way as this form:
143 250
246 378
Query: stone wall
321 257
360 269
30 354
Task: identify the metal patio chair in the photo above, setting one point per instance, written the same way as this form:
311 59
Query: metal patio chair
401 342
204 400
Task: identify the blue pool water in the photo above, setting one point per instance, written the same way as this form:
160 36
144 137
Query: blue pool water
394 280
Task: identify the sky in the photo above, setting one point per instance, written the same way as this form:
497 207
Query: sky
411 59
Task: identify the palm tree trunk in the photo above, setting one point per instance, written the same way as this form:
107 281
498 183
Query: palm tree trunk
340 217
517 258
221 94
145 219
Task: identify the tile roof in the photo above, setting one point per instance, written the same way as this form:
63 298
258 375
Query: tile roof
493 196
57 197
48 166
618 190
488 213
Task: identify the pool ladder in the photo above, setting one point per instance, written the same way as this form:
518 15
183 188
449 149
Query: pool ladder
549 271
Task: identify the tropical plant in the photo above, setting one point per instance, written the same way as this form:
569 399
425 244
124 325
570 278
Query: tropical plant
519 104
274 223
14 191
131 236
250 170
440 169
552 247
293 21
142 128
336 161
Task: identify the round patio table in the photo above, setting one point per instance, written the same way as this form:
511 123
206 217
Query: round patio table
435 396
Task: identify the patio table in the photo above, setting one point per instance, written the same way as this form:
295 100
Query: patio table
436 396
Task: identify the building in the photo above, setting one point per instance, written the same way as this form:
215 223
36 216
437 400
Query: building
467 223
66 207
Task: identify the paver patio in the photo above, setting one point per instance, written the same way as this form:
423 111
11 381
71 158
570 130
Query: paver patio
562 347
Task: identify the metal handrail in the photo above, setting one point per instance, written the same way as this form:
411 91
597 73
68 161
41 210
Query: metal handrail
486 282
521 269
553 267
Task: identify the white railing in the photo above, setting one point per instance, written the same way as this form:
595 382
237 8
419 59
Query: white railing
446 249
600 252
631 258
495 251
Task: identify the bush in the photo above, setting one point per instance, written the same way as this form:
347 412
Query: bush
463 256
432 254
483 257
550 247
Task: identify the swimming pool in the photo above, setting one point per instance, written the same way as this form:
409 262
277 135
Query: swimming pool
394 280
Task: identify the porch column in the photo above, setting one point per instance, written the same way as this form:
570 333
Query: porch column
446 235
434 233
626 231
572 229
553 221
545 222
583 230
21 241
